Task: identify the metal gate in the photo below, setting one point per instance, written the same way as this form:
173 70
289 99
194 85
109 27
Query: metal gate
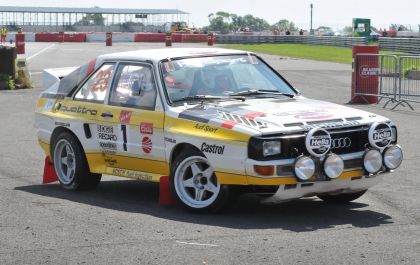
384 76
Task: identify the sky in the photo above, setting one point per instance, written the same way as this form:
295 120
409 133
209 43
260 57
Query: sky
333 13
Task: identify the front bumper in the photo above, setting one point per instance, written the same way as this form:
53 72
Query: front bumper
349 185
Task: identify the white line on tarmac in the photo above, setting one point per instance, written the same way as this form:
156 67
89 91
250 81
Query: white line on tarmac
41 51
195 244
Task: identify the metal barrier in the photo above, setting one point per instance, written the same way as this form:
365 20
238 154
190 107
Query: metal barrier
385 76
338 41
410 45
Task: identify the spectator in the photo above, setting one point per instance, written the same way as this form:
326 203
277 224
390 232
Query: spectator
3 33
384 33
287 32
301 32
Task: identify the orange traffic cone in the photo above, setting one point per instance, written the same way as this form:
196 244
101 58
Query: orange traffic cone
49 172
165 194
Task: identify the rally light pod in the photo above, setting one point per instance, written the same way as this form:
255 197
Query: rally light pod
304 167
380 135
393 157
333 166
372 161
318 142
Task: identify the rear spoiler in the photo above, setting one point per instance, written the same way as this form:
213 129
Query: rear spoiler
54 75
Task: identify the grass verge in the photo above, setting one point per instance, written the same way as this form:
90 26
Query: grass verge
311 52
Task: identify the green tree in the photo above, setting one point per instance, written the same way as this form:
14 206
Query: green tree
284 25
92 19
219 22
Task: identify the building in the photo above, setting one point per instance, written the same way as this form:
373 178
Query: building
96 19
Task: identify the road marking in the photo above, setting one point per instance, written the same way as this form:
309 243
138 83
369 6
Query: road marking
35 73
195 244
41 51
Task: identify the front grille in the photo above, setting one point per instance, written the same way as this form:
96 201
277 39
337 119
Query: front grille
349 141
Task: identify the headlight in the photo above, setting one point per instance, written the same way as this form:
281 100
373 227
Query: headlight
372 161
333 166
393 157
271 148
304 167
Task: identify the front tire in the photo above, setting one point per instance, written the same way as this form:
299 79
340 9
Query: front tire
71 165
342 198
195 185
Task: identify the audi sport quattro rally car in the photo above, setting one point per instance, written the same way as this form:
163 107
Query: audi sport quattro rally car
213 120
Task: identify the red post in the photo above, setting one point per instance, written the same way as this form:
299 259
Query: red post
210 39
108 39
168 39
20 43
364 75
61 36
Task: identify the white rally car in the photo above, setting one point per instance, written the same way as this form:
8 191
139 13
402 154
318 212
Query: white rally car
214 120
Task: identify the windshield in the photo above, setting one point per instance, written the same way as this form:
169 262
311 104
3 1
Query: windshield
221 76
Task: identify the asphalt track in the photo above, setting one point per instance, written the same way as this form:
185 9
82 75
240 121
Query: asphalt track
122 223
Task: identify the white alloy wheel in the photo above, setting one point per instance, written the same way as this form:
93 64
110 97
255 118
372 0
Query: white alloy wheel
64 161
195 182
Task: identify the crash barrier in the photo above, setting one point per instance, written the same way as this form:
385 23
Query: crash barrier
176 37
391 77
29 37
410 45
60 37
309 40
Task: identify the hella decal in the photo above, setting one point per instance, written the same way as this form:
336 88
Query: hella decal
380 135
213 148
318 142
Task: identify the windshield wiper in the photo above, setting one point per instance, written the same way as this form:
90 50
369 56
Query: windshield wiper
253 92
207 97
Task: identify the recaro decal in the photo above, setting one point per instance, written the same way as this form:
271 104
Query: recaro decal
213 148
107 133
79 109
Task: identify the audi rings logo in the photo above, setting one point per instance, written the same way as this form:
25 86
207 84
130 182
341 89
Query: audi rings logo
340 142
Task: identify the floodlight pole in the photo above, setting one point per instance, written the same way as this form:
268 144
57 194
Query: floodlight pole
312 30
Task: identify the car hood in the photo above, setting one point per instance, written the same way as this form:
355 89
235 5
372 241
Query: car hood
277 115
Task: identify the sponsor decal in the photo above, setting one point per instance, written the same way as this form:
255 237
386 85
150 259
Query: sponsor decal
213 148
365 71
107 133
108 147
63 124
125 116
329 125
79 109
318 142
146 145
110 161
254 115
313 116
48 105
146 128
380 135
131 174
170 140
205 127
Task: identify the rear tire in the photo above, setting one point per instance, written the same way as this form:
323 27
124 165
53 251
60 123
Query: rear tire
71 165
195 185
342 198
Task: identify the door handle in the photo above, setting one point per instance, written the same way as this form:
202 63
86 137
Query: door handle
107 115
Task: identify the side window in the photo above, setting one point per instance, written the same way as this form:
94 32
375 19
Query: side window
134 87
95 87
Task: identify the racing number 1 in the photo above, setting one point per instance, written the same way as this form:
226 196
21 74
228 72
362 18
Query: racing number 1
124 131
